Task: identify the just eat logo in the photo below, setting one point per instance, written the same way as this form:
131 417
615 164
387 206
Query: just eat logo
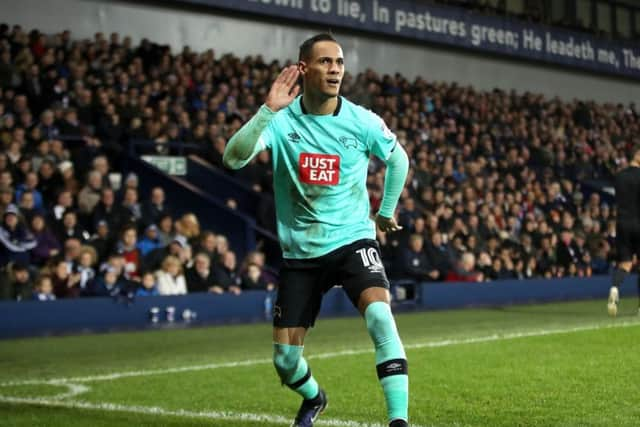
319 169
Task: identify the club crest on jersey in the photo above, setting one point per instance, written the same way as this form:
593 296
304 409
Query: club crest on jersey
319 169
348 142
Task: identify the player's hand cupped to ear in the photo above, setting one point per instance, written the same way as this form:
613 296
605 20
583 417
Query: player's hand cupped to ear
284 89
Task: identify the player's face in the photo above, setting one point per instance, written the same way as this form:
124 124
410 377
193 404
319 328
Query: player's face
324 69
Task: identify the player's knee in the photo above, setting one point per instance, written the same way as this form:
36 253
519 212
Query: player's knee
286 359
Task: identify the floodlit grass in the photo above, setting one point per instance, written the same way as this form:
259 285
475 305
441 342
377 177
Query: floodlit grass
492 367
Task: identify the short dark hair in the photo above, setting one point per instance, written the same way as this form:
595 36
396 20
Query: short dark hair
307 46
634 150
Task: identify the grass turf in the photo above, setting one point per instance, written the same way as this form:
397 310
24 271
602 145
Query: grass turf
577 378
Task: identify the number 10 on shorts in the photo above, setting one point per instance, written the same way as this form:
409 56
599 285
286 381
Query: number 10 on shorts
369 257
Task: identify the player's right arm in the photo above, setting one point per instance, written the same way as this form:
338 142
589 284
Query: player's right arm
246 143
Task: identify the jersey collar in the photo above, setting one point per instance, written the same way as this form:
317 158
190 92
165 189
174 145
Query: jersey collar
335 112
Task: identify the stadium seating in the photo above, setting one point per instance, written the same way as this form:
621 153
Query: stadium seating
503 177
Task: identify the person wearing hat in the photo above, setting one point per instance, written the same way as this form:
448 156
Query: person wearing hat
16 241
149 241
70 183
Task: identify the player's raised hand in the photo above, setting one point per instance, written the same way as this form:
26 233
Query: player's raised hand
387 224
284 89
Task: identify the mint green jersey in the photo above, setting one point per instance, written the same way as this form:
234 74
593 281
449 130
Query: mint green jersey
320 167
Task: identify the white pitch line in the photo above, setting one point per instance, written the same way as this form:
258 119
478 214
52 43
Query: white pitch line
75 389
253 362
211 415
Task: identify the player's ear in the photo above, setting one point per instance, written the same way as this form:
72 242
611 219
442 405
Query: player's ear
302 67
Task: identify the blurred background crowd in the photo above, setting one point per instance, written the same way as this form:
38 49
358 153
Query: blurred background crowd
503 185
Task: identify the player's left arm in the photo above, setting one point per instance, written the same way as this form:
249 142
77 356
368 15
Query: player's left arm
394 179
384 144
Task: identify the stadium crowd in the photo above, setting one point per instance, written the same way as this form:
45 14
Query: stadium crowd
496 188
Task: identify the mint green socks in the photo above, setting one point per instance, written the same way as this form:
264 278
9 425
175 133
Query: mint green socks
293 370
391 361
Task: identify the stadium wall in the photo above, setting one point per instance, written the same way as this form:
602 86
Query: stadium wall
32 318
202 29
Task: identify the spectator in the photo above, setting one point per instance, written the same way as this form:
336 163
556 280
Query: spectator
43 290
90 194
49 180
199 277
131 205
176 247
64 203
222 246
226 273
19 287
170 279
252 279
101 241
109 211
85 267
415 264
189 227
65 284
207 244
16 241
69 228
165 229
148 286
566 253
465 270
31 184
69 181
498 271
258 258
6 198
127 248
108 284
27 207
156 207
47 245
437 254
149 241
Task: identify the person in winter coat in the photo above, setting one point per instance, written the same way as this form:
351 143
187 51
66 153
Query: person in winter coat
171 280
16 241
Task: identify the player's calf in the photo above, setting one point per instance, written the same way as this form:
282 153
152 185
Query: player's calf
293 370
391 362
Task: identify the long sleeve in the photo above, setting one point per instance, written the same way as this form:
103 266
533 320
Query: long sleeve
245 143
397 168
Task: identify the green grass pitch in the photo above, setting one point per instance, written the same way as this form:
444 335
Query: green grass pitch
542 365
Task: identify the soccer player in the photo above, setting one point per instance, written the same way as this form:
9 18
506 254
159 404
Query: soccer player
320 145
627 185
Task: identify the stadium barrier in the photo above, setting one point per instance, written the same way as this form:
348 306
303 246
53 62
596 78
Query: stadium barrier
32 318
